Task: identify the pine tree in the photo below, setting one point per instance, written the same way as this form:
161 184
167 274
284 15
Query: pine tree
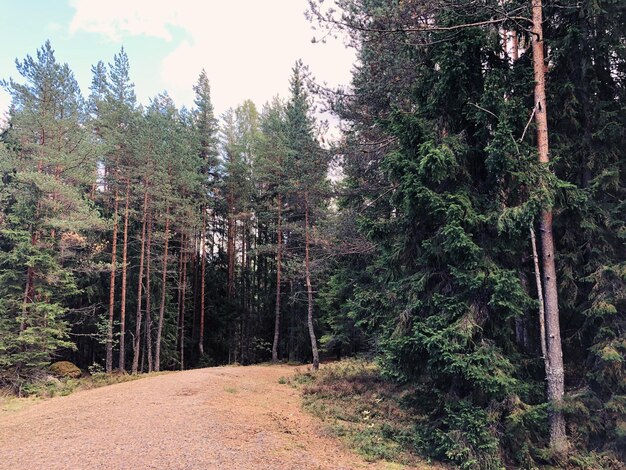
48 218
113 105
272 156
206 127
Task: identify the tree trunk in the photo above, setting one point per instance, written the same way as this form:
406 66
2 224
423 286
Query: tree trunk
109 345
137 338
202 280
122 360
183 299
309 288
148 298
243 317
554 358
279 257
230 248
292 314
157 355
195 320
180 288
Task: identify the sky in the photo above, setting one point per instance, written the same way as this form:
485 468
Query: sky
247 47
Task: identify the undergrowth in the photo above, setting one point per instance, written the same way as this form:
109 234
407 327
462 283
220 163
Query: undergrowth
48 387
386 421
363 409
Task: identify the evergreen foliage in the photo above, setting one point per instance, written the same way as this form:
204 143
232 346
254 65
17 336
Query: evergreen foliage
48 163
148 238
440 169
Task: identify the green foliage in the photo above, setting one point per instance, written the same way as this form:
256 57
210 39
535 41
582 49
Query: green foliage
364 409
422 255
465 437
47 218
441 169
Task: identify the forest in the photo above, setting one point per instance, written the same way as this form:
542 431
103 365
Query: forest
467 231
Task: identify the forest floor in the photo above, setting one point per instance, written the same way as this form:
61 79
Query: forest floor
222 417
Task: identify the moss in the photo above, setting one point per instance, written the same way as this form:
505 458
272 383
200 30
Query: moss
65 369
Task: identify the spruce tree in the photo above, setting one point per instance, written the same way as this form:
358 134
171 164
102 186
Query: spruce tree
442 164
306 166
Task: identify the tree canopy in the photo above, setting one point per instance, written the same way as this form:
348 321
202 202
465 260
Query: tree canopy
473 244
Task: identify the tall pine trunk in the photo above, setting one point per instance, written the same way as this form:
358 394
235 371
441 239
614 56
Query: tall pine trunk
202 280
230 248
157 354
553 361
109 345
142 255
309 288
180 288
244 313
183 299
279 257
148 297
195 318
122 359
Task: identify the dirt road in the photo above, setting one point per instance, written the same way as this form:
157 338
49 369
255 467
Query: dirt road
218 418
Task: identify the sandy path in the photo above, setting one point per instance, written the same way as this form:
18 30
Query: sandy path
223 418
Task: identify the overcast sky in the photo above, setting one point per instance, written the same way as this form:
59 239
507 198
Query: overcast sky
247 47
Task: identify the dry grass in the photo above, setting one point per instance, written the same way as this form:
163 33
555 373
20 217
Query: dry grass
45 389
364 409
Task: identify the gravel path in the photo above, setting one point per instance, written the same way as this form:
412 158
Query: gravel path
217 418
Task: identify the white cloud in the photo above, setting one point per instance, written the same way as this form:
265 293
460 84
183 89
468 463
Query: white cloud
246 46
115 19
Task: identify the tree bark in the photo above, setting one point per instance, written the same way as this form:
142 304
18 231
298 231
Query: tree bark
230 248
180 288
157 354
202 280
195 268
243 317
122 359
148 297
309 288
109 345
279 257
183 299
554 358
137 339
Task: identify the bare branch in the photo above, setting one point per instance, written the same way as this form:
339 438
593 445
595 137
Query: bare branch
429 28
528 123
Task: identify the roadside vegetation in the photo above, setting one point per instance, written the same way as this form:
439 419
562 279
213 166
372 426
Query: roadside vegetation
367 411
386 421
55 382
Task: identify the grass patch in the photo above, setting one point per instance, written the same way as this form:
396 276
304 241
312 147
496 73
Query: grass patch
230 389
9 403
298 380
46 388
363 409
